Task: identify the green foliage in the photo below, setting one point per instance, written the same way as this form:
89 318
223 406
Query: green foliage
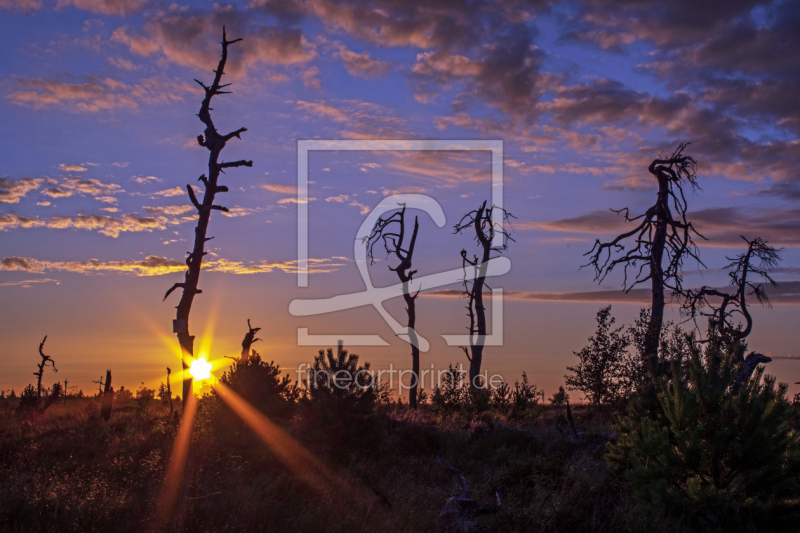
724 453
261 384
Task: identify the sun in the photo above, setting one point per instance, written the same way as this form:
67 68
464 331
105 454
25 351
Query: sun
201 369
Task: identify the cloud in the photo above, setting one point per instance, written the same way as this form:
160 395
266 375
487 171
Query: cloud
360 65
99 94
265 267
722 226
21 5
13 221
787 293
112 226
358 120
152 265
71 168
105 225
11 190
144 180
190 37
294 201
105 7
340 199
26 284
283 189
238 211
168 193
168 210
55 192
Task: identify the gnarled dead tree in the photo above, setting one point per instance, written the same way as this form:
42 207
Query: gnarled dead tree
661 233
481 220
391 232
45 359
214 142
247 342
722 319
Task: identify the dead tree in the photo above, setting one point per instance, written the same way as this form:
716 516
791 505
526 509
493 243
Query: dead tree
660 234
247 342
108 398
45 359
169 391
486 229
214 142
391 232
722 319
100 384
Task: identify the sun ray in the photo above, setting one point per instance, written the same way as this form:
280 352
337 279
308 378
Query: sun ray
306 467
177 465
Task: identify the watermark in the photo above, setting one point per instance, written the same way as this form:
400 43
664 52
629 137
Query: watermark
402 380
375 296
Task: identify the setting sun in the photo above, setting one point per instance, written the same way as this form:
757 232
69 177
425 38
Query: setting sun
200 370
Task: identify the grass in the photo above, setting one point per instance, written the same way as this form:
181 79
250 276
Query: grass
71 471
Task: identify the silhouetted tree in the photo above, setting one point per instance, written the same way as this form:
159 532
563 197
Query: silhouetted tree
108 398
259 382
391 232
722 318
486 229
337 380
660 233
214 142
45 359
602 373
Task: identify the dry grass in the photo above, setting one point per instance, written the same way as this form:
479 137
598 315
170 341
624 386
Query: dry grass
71 471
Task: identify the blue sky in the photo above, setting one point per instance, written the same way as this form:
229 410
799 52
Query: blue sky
98 144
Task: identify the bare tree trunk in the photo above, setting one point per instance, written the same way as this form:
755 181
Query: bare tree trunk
108 398
411 310
247 342
40 372
393 243
481 220
656 323
214 142
169 392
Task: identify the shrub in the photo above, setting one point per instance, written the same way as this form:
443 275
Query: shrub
450 394
559 398
604 372
143 397
261 384
724 453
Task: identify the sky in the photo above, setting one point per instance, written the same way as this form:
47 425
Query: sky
99 142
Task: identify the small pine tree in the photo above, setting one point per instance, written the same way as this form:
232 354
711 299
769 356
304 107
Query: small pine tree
724 452
451 393
260 383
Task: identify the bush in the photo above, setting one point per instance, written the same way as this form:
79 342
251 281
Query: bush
261 384
606 369
560 398
723 453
